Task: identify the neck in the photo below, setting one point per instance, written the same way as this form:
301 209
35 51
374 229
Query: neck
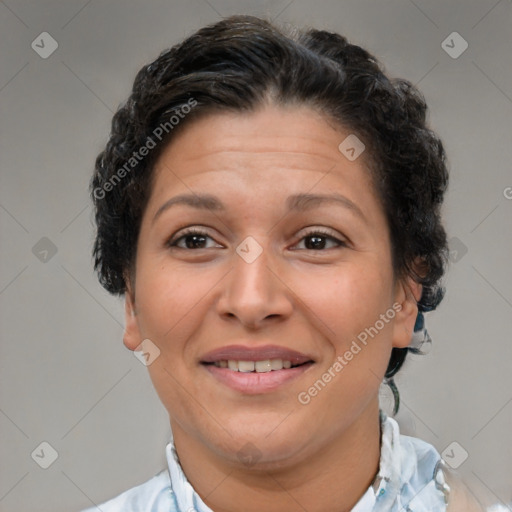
334 478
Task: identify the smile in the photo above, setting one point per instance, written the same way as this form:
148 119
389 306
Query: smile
246 378
267 365
252 370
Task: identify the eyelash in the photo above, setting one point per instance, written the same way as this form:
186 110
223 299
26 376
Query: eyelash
194 231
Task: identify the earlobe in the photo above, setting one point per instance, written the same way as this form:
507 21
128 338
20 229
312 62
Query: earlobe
407 296
131 337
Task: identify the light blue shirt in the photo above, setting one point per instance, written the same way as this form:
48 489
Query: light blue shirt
410 478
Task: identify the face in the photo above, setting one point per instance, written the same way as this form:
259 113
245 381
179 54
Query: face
269 278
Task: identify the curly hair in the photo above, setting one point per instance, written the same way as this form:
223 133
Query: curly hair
238 64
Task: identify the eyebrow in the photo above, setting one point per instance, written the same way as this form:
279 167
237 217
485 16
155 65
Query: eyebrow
296 202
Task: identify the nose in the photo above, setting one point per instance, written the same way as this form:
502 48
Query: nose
254 292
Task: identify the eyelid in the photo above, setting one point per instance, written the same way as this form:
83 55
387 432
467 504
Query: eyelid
311 230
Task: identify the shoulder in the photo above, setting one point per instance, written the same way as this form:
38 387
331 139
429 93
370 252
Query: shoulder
414 477
425 471
154 495
460 498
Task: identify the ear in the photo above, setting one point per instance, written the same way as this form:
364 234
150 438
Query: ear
132 337
407 295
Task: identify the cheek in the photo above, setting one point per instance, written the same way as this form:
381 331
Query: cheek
350 307
173 303
168 297
348 299
359 342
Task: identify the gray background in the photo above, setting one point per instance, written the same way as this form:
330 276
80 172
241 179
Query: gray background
66 377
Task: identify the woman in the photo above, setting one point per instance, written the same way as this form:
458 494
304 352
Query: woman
269 205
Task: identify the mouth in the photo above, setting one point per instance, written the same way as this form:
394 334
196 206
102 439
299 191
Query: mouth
252 370
263 366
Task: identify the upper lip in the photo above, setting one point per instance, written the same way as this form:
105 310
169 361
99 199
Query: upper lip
252 353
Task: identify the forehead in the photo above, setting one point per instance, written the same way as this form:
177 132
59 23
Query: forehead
308 138
242 154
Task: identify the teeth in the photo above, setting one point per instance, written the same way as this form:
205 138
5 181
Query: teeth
245 366
277 364
262 366
254 366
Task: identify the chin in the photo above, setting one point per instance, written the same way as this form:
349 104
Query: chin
261 446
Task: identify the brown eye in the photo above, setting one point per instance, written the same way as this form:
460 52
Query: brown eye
193 238
318 240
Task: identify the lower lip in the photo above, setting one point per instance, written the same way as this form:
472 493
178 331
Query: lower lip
252 383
